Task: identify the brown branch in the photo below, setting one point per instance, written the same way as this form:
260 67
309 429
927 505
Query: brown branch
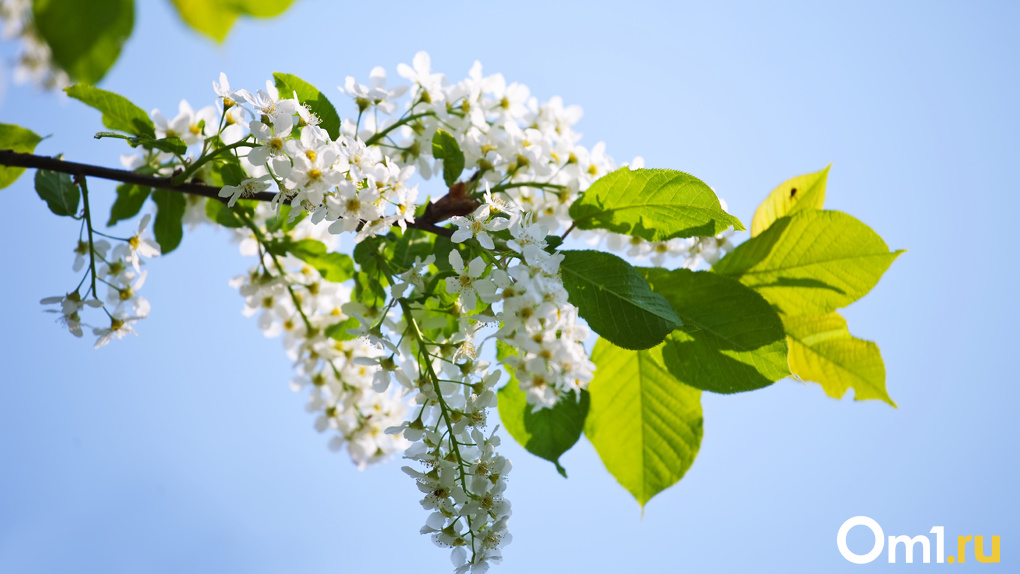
16 159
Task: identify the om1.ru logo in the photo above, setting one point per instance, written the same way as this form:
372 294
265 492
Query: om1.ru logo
909 544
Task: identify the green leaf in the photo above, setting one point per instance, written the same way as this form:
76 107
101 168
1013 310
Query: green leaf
172 144
811 262
731 340
823 350
338 331
616 300
413 243
335 267
214 18
644 423
218 211
118 112
442 246
793 195
85 37
59 192
283 221
227 171
130 199
368 282
168 227
260 8
18 139
546 433
289 84
446 148
653 204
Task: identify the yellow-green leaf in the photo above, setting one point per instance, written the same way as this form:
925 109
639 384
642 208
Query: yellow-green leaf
214 18
793 195
118 112
645 424
811 262
823 350
653 204
18 139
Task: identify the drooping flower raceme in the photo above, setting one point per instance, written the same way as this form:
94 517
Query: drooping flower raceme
388 344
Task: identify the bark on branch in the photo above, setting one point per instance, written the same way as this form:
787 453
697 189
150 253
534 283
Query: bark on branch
16 159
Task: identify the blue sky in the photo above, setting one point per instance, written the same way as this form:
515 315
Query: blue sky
184 449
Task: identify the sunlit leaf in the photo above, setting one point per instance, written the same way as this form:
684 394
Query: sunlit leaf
329 120
823 350
118 112
446 148
811 262
653 204
18 139
644 423
793 195
214 18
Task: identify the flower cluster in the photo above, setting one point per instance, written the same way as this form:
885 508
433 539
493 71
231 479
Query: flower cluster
463 479
527 151
293 299
120 270
523 168
692 252
389 350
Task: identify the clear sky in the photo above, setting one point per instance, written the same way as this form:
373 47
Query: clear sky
184 449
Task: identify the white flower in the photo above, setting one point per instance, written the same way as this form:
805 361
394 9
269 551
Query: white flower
413 276
477 226
82 252
375 94
268 105
120 325
430 85
468 282
247 188
222 89
527 234
190 126
70 305
272 139
143 245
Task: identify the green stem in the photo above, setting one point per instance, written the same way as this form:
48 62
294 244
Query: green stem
537 184
443 407
276 262
80 180
377 137
194 167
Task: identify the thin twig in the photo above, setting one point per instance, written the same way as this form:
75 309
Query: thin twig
80 181
16 159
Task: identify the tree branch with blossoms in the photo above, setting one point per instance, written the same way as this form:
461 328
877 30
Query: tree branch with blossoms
434 313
